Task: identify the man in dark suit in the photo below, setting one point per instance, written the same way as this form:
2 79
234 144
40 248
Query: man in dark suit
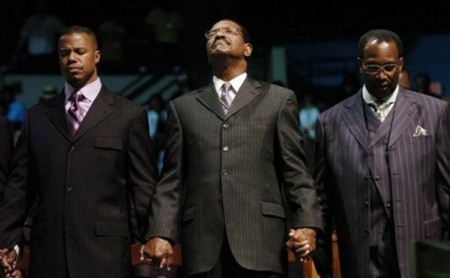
382 173
6 146
91 183
225 171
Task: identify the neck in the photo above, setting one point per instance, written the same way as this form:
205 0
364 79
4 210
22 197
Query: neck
228 69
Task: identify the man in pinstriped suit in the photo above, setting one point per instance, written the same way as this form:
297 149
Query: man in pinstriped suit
93 187
225 172
385 181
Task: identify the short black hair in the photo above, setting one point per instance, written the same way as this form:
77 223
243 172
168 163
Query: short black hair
80 29
381 35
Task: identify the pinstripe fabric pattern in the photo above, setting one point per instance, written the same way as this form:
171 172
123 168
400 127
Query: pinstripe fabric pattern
89 186
413 172
227 172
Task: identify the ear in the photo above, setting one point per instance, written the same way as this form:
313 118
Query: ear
401 62
97 56
360 63
248 50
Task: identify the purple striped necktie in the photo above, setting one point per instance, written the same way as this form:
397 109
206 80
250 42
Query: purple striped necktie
75 114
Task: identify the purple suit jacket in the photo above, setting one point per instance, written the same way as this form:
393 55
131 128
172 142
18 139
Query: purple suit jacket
417 175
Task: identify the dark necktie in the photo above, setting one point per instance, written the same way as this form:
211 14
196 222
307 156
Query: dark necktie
75 114
225 97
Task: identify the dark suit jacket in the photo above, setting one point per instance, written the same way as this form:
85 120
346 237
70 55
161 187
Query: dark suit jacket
6 146
86 187
414 170
225 174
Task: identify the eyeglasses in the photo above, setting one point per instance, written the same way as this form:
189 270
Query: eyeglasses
375 69
228 31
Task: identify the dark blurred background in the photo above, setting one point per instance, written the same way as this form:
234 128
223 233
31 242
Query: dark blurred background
304 36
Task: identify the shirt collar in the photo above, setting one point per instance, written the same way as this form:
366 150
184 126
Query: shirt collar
236 82
90 91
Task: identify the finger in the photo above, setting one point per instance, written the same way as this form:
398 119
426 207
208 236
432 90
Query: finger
162 263
291 232
141 253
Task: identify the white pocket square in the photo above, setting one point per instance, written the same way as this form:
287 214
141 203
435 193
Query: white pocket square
420 131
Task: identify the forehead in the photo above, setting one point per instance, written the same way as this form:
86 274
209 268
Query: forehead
77 39
225 23
377 48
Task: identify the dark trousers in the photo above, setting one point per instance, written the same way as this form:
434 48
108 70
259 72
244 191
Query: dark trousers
383 257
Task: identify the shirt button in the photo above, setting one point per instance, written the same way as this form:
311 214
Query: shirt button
69 189
225 125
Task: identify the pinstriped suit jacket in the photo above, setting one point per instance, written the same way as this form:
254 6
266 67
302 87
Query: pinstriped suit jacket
418 174
226 173
90 187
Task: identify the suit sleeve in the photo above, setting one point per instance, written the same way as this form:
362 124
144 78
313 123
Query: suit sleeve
167 198
322 256
299 186
6 146
142 173
443 169
14 203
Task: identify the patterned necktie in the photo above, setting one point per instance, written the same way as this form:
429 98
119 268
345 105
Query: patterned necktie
225 97
75 114
381 109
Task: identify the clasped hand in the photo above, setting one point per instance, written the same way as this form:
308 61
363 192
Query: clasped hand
157 250
302 242
8 263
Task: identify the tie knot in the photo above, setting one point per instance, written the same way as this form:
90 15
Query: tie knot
76 96
226 87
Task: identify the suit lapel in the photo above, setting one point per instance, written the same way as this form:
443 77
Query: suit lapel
248 91
209 98
99 110
402 112
405 110
57 115
353 116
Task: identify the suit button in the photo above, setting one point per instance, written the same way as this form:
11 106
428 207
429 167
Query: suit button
225 173
225 125
220 198
388 205
366 204
72 149
69 189
225 149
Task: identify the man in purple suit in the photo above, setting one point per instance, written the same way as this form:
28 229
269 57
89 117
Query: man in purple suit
382 168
